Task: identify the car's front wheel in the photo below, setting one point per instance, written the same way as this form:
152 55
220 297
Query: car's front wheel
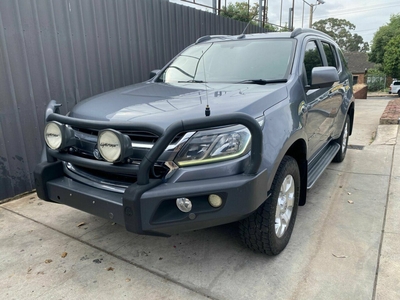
269 228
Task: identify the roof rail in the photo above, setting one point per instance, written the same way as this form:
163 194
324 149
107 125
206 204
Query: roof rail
210 37
298 31
203 39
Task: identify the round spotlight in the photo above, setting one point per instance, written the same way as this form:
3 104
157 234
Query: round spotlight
53 135
109 145
184 204
215 200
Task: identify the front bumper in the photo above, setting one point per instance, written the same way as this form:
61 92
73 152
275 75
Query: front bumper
150 209
148 206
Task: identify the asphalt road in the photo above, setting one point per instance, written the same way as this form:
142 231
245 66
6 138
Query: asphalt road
50 251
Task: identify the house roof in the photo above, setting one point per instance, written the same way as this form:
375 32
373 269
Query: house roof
358 62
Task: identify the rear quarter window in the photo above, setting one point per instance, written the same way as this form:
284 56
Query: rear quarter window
343 61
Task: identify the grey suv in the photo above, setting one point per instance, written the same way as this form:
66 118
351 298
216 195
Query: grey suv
234 128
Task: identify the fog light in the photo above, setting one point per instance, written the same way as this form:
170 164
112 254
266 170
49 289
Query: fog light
184 204
215 200
53 135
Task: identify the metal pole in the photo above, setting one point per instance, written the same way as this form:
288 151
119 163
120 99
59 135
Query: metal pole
311 15
302 17
264 14
248 10
260 13
292 15
280 19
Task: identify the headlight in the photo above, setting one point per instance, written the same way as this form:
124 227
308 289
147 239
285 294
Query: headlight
109 145
214 145
53 135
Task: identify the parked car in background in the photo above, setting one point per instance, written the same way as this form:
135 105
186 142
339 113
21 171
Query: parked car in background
395 87
234 128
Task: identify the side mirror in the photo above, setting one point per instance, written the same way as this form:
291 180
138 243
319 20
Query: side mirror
322 77
154 73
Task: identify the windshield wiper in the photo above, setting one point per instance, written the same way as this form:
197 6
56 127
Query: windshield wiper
192 81
262 81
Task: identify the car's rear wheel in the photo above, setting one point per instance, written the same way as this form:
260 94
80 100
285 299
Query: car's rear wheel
269 228
343 141
398 93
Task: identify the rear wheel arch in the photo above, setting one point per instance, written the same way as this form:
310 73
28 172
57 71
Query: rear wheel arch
351 115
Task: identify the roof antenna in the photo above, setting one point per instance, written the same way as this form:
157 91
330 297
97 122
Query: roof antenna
243 33
207 111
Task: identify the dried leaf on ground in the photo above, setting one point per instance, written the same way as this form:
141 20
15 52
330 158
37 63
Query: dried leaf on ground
47 261
64 254
80 224
128 279
339 256
110 269
350 201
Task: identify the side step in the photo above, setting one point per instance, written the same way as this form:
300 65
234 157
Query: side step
319 164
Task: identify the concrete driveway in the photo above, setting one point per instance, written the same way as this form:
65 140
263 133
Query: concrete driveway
345 244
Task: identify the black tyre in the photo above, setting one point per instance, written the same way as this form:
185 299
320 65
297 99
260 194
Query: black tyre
269 228
398 93
343 141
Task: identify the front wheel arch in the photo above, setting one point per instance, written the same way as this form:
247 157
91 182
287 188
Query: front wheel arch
269 228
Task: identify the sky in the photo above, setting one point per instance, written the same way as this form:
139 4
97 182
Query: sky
366 15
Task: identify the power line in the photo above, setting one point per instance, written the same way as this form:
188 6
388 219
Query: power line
366 9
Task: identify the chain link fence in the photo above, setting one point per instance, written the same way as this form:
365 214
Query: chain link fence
376 82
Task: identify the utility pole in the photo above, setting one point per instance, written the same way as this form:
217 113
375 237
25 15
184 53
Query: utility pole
312 9
292 27
311 15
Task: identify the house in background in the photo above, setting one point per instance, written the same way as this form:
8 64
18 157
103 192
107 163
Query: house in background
358 65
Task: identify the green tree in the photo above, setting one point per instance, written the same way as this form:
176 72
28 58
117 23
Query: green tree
391 58
240 11
382 38
339 30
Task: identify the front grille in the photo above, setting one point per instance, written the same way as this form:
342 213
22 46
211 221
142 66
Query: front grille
135 135
85 147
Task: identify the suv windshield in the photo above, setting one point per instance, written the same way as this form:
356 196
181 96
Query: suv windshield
240 61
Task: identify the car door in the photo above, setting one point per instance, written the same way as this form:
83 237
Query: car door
336 92
318 124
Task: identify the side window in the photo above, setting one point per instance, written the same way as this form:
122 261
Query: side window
312 59
330 55
342 59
